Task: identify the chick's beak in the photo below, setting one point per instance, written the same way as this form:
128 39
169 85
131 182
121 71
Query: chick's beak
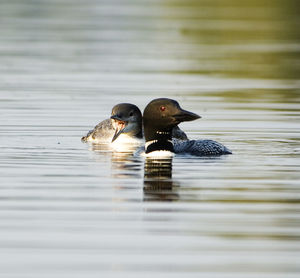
119 125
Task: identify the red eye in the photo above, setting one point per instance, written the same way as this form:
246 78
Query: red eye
162 108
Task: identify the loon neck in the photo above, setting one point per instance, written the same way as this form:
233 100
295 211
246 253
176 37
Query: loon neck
140 134
159 141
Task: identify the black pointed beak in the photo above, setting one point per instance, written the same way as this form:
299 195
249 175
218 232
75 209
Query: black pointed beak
185 116
116 135
120 126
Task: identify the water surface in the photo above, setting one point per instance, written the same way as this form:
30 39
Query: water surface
68 209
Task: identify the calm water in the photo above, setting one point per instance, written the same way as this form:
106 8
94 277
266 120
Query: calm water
72 210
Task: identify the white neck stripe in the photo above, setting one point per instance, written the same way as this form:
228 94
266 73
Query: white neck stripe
148 143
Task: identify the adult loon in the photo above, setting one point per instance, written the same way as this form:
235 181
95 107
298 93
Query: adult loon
160 117
124 126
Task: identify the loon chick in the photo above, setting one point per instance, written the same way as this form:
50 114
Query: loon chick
125 123
160 117
125 120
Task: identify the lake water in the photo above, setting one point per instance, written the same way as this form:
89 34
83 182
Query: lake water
68 209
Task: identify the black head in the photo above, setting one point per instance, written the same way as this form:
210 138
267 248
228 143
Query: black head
126 118
162 114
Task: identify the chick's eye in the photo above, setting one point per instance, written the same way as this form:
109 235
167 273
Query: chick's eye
162 108
131 114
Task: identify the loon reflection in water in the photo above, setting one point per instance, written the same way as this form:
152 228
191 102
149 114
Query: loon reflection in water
158 183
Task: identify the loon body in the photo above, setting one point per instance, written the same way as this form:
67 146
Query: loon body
203 147
160 117
124 126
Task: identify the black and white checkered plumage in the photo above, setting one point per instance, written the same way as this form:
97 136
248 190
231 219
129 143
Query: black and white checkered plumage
199 147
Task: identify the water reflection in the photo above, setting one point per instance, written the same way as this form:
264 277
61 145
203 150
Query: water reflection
123 163
65 63
158 183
